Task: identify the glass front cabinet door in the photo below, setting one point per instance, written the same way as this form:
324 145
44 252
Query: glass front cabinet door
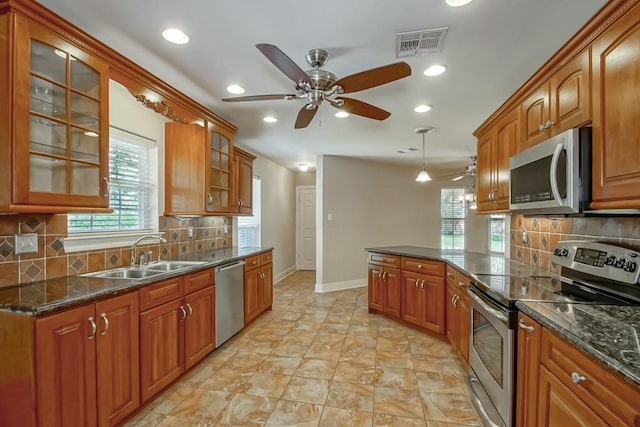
219 177
61 129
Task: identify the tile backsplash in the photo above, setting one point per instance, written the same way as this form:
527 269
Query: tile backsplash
544 234
52 261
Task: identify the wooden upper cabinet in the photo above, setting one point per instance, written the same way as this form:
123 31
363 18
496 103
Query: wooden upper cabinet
243 181
570 91
535 116
219 178
494 150
616 114
184 169
59 123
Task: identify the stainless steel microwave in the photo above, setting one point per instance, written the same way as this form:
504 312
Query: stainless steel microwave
553 177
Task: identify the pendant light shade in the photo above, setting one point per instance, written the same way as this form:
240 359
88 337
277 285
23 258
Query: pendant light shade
423 176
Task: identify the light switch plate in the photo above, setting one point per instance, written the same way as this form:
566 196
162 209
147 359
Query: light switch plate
26 243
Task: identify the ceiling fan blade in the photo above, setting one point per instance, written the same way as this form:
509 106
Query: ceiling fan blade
260 97
283 63
374 77
304 117
360 108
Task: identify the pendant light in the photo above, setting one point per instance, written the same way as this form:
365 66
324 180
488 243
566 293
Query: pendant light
423 176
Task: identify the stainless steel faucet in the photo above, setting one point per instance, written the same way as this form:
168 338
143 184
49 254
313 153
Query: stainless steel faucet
135 244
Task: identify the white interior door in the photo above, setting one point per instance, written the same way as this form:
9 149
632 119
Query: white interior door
306 232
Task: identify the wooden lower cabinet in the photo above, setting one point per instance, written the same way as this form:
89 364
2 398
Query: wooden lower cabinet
385 285
177 334
258 286
375 291
87 364
424 301
458 313
464 326
558 385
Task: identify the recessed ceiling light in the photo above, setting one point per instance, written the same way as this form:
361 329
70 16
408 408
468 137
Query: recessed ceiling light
435 70
342 114
303 167
422 108
176 36
235 89
91 134
457 3
270 119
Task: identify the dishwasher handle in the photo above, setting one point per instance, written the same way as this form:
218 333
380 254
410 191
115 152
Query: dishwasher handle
229 266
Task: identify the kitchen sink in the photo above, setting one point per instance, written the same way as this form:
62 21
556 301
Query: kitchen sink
124 273
171 265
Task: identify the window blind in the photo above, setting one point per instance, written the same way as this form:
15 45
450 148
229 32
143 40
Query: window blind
452 212
249 226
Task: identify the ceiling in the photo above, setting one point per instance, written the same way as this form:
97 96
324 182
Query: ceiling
492 48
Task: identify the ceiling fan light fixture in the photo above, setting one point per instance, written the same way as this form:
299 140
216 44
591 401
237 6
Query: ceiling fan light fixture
175 36
422 108
342 114
435 70
270 119
457 3
235 89
303 167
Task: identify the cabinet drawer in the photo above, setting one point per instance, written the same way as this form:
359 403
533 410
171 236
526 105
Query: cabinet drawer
251 262
451 275
384 259
431 268
161 292
198 280
611 397
266 258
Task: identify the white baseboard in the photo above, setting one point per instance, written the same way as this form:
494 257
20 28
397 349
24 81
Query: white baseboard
284 274
340 286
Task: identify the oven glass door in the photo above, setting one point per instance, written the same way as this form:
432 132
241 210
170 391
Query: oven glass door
489 344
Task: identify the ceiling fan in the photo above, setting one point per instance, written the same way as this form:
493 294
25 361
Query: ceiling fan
469 170
316 85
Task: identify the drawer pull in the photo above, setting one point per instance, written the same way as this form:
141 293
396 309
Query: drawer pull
529 329
576 378
419 265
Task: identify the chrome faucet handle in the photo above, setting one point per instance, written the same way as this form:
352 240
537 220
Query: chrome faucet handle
142 258
150 257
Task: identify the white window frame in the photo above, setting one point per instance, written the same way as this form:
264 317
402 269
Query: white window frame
255 220
463 218
85 241
503 218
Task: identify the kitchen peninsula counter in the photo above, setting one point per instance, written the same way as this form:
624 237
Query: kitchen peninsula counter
46 296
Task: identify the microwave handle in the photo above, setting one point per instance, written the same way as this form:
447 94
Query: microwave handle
553 173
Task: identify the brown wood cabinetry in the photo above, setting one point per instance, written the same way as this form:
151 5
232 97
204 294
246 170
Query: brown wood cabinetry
528 363
557 384
177 329
258 285
385 284
219 170
616 112
458 314
243 181
494 150
424 301
87 364
561 103
56 124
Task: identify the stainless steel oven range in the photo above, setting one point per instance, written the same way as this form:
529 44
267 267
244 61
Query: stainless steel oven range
591 273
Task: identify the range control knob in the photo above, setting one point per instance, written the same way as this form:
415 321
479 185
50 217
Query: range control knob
630 266
610 260
620 263
561 252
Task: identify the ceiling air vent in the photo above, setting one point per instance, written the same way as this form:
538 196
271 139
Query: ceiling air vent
421 42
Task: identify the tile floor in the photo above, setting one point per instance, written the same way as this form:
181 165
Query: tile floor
319 360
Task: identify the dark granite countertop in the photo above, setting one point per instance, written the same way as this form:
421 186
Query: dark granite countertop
608 333
471 262
45 296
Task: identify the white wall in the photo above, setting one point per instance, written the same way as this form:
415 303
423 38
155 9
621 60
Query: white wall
376 204
278 214
305 178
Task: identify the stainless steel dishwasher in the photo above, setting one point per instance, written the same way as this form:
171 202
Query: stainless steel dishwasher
229 300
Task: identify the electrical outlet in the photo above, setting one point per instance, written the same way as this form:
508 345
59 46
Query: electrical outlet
26 243
190 232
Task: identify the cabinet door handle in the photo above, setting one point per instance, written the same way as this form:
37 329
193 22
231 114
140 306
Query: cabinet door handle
106 324
380 274
526 327
548 124
107 186
190 310
422 284
417 283
210 197
576 378
94 327
184 313
541 128
455 299
385 275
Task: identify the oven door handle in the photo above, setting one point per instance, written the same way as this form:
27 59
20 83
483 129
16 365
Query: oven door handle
553 173
496 313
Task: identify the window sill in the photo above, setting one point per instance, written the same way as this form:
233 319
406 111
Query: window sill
93 241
